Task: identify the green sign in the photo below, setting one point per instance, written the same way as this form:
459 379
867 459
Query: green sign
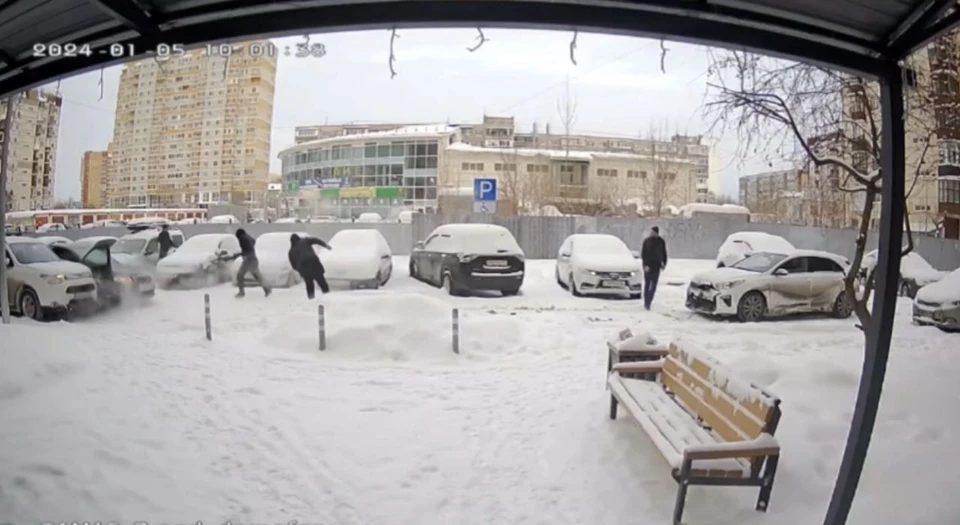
330 193
291 186
389 192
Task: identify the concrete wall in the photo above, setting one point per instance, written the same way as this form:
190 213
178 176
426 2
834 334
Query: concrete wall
540 237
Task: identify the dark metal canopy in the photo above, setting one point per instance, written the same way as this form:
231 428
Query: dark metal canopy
864 37
853 35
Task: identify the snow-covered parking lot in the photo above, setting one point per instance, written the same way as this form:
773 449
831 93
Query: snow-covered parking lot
135 416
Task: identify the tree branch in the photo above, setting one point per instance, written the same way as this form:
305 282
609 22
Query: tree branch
481 39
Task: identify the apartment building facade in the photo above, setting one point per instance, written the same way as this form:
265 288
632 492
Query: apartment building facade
807 197
31 174
413 167
93 171
192 130
944 59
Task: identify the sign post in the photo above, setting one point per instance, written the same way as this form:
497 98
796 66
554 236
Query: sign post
485 195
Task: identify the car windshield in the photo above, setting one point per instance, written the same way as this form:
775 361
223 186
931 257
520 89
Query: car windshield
32 252
131 246
201 244
759 262
601 244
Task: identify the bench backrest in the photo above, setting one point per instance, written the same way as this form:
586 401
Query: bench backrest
734 409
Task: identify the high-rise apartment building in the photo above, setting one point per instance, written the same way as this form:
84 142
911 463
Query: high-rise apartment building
944 57
33 150
92 173
193 130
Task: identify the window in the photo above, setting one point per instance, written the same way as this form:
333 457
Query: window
636 174
820 264
601 172
472 166
537 168
950 191
796 265
97 257
950 153
369 150
504 167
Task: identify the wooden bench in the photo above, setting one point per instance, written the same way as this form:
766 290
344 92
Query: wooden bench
711 428
627 348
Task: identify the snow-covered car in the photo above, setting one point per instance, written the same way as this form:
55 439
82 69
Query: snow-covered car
771 284
86 243
599 264
51 227
147 223
223 219
102 224
741 244
200 260
115 283
369 217
275 267
915 272
141 249
938 303
41 286
461 257
360 258
50 240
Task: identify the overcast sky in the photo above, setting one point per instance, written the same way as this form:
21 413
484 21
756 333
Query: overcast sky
617 85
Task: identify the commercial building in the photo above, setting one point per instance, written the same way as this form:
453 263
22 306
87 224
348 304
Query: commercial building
92 174
355 170
193 130
33 150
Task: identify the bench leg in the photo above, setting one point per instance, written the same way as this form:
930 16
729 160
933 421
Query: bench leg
613 407
682 485
769 472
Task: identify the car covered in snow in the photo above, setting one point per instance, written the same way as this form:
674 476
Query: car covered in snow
115 283
200 260
369 217
915 272
741 244
87 242
360 258
50 240
599 264
770 284
275 266
938 303
141 248
40 285
463 257
52 227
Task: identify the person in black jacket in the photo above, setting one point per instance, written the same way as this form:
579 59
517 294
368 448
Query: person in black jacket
250 262
305 261
653 253
164 241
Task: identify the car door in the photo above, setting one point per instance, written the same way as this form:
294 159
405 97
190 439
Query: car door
151 252
826 282
563 260
386 257
14 277
420 259
445 246
791 291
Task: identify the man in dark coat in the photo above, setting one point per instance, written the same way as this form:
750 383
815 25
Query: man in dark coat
305 261
250 262
654 257
164 241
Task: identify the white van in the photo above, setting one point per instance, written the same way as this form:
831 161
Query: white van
406 216
142 249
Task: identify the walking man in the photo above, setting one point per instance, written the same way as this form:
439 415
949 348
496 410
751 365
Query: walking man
164 241
305 261
250 262
654 257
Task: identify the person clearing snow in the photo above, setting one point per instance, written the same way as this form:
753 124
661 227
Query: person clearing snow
305 261
250 262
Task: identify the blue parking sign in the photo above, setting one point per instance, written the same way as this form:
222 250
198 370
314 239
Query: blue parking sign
485 190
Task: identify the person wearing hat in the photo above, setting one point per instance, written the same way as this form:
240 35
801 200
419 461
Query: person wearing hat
653 254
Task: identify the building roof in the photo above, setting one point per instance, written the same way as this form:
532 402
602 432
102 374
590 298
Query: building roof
855 35
404 133
578 155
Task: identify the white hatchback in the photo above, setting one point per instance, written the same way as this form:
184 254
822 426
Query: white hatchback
40 285
599 264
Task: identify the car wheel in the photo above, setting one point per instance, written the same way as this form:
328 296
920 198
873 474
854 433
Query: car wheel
842 306
721 265
557 272
573 287
752 307
29 305
413 270
448 285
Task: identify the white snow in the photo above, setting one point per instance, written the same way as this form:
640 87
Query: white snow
943 291
740 244
912 266
691 209
480 239
135 416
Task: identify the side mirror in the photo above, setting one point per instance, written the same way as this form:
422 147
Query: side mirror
635 253
8 261
222 253
780 272
148 252
418 246
564 256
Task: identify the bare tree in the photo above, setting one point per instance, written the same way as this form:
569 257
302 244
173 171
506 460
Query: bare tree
569 171
660 186
822 118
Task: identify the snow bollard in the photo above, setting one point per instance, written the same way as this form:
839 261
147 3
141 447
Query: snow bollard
206 316
321 327
455 320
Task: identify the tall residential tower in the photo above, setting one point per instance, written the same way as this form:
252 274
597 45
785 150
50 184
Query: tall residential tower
33 150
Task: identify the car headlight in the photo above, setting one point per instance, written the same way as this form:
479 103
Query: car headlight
53 279
729 284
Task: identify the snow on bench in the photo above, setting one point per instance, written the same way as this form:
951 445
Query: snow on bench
712 428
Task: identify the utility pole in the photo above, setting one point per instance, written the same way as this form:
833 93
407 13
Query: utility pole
4 165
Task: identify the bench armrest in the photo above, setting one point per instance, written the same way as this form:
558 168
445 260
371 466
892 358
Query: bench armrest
764 445
638 367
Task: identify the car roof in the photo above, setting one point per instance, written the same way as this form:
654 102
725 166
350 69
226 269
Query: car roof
148 233
18 240
469 228
819 253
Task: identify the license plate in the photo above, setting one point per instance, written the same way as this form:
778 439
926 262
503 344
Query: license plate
612 284
83 295
496 264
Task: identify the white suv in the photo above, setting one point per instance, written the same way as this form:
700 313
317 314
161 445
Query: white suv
41 285
142 249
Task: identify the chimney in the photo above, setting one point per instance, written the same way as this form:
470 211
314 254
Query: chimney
547 128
